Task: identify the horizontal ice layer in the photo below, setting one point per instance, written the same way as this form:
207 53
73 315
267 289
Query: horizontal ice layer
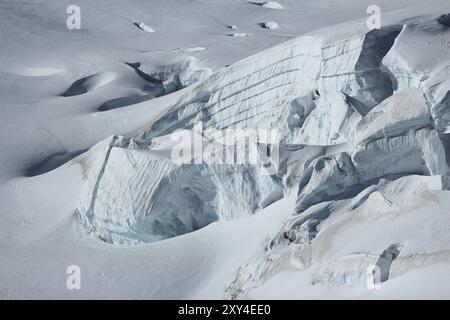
254 93
300 87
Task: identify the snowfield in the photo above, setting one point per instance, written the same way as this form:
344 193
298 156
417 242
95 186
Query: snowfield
354 204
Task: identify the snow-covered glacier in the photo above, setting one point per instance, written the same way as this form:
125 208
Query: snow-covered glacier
363 122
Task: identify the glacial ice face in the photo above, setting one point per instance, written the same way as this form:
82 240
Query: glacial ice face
376 191
347 119
359 74
397 114
300 87
136 193
343 175
394 138
247 94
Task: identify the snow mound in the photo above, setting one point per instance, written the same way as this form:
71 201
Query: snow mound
271 5
90 83
269 25
238 34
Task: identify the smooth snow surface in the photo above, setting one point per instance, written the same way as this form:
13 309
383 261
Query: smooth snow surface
361 182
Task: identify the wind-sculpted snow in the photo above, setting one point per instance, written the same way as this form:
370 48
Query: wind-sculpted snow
89 83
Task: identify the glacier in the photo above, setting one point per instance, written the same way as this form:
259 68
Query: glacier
318 92
124 152
363 139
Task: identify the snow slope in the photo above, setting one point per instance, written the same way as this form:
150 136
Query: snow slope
363 118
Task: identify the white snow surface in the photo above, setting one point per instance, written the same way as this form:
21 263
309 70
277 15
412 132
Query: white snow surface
86 178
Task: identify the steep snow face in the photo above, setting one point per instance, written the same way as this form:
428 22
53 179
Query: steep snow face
271 5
